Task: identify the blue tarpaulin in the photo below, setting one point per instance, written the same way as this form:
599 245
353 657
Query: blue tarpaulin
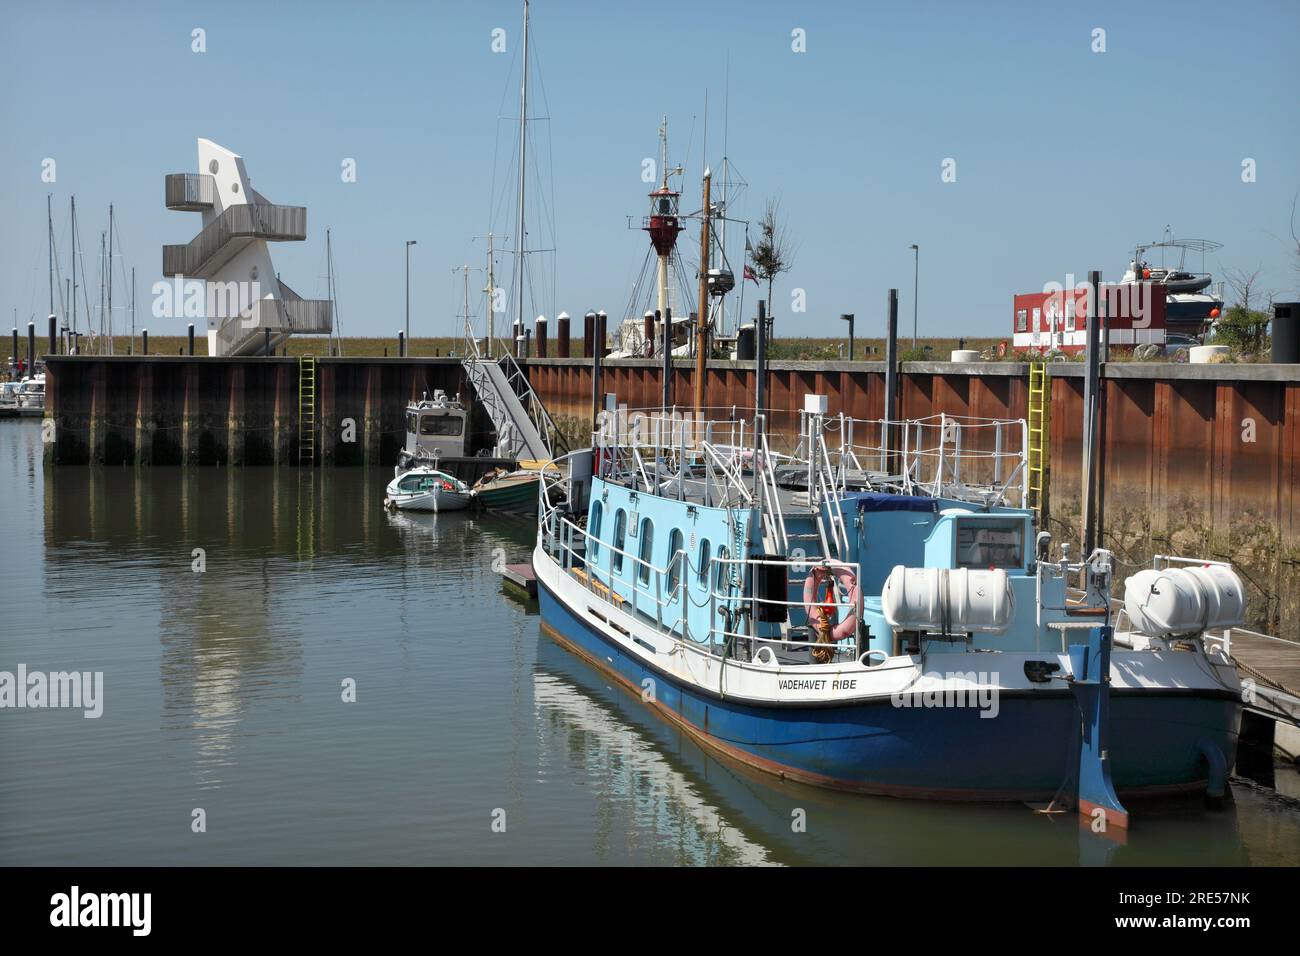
876 501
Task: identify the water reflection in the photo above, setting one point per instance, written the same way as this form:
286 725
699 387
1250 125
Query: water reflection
663 774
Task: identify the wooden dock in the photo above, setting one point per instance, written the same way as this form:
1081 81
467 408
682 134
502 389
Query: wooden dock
1272 661
521 578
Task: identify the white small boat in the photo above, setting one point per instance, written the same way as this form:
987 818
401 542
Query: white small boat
427 489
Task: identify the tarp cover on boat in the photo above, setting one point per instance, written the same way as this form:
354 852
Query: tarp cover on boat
877 501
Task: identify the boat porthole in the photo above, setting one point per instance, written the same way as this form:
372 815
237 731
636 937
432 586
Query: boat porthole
764 656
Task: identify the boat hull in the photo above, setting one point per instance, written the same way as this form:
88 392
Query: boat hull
1023 753
437 500
512 494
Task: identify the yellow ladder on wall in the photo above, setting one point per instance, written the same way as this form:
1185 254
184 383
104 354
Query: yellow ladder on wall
307 410
1040 435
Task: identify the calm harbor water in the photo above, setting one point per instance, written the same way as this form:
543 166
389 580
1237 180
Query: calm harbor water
223 691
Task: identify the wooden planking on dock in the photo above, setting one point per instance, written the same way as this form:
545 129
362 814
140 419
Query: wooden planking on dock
1278 662
522 577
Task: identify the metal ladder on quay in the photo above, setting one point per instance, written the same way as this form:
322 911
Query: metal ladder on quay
307 410
1040 433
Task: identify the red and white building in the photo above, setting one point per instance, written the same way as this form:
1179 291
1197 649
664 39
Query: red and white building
1054 321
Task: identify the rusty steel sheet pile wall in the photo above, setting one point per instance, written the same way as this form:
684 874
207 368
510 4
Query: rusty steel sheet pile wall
181 410
1198 460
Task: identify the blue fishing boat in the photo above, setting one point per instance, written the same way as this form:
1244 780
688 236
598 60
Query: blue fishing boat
883 618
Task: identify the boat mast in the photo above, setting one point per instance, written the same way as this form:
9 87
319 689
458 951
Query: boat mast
523 152
336 332
702 328
101 292
74 270
49 219
110 278
491 298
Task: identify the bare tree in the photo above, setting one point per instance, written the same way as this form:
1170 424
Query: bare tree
1295 263
1242 284
773 254
1241 327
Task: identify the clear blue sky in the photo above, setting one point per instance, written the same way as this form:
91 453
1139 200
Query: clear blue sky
1065 157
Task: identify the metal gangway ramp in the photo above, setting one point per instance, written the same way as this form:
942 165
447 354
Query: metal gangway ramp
525 430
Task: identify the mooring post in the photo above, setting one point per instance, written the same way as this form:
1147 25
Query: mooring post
891 381
13 359
848 317
588 333
562 335
541 336
401 344
596 355
266 350
144 341
54 340
760 360
31 348
191 337
1091 402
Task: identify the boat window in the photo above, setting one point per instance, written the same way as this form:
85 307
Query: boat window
620 537
441 425
593 528
724 570
675 560
410 483
990 544
647 550
702 573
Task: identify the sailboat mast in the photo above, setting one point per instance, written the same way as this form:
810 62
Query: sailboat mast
49 219
110 278
74 269
491 298
523 152
101 291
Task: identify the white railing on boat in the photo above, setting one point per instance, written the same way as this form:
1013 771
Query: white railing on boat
653 589
949 456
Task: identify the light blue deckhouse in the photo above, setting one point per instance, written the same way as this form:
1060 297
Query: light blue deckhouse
881 622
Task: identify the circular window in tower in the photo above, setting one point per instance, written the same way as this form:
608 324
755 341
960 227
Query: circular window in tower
213 166
234 187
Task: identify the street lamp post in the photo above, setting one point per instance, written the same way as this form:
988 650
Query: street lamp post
409 243
916 272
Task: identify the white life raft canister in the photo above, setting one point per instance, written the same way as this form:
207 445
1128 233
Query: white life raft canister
948 600
1184 600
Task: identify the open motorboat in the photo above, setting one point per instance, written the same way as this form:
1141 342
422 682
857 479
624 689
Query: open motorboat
423 488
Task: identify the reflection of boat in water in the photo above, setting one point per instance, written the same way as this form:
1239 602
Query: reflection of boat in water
426 489
725 812
937 654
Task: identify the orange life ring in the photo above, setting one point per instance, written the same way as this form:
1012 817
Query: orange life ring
825 610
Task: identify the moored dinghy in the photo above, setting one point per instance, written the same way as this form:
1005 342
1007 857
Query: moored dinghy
426 489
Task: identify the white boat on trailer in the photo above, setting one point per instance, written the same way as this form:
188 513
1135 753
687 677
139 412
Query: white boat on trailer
909 638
